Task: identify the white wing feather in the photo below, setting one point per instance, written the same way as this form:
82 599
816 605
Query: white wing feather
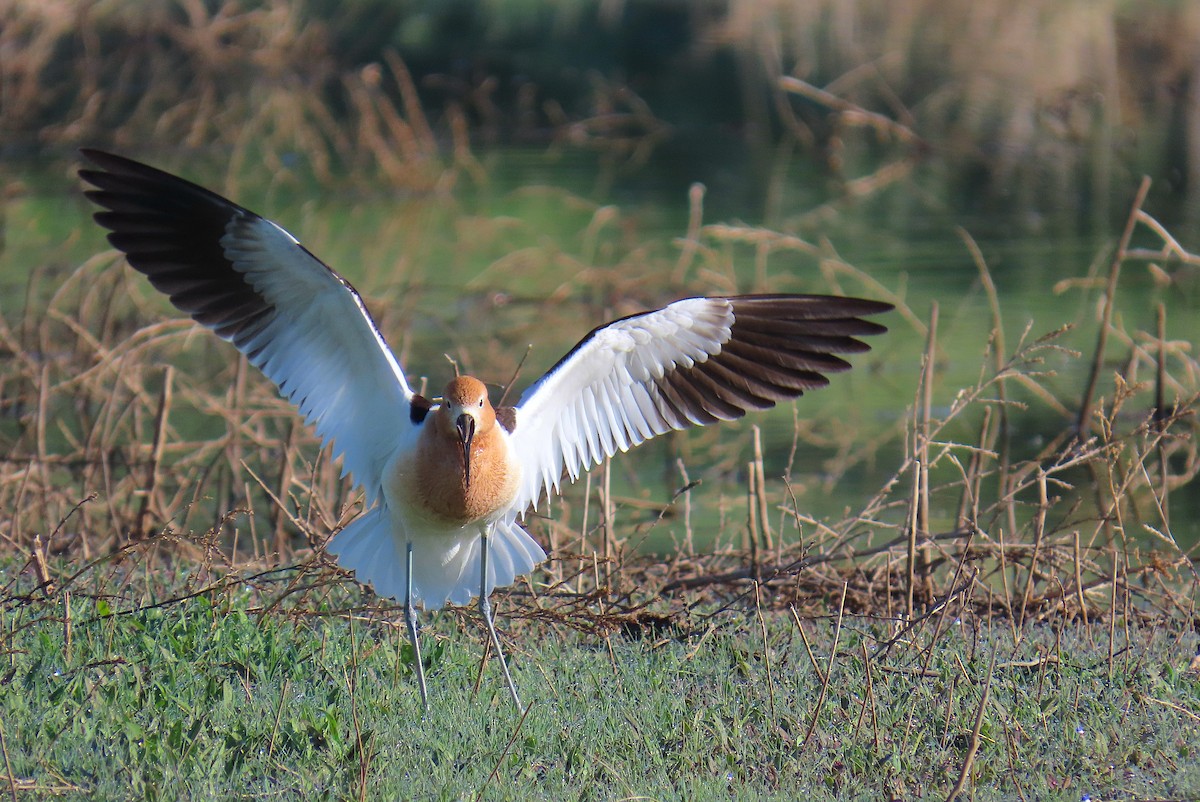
322 349
600 399
253 284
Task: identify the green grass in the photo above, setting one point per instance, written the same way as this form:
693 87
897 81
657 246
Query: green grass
165 666
167 673
209 697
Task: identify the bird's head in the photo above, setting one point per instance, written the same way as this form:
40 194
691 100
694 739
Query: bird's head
465 413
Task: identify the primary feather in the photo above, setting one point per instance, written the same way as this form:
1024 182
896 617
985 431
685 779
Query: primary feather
253 284
694 362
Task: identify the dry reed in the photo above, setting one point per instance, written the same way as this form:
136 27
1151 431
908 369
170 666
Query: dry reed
111 460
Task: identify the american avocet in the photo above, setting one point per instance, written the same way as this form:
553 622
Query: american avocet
446 480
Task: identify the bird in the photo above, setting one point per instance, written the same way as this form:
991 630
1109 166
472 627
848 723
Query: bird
447 481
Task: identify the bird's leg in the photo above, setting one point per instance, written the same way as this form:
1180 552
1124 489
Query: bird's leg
485 610
410 618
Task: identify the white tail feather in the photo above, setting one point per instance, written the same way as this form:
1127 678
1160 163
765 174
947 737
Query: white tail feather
445 564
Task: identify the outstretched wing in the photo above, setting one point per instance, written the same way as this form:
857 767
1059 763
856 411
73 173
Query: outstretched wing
694 362
253 284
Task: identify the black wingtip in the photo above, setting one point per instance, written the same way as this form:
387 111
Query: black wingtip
111 162
171 231
810 307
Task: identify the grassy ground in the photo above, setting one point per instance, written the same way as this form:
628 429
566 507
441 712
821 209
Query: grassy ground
143 663
138 663
265 687
999 608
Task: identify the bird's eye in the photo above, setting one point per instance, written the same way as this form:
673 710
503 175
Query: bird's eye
481 403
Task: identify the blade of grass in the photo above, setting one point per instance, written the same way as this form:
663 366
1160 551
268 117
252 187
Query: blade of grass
837 633
973 748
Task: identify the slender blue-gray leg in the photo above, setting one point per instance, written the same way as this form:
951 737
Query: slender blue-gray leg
485 609
410 618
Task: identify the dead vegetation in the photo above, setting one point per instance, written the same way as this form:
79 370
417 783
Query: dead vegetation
123 438
131 447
